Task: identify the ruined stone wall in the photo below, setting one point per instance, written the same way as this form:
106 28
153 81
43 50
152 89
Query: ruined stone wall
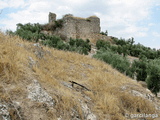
86 28
52 18
75 27
69 28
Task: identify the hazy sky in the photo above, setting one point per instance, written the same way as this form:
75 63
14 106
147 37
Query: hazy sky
122 18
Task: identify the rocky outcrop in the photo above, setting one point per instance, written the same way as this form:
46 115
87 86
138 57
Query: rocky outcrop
38 94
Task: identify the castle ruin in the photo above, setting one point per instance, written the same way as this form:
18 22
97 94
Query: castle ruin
52 17
76 27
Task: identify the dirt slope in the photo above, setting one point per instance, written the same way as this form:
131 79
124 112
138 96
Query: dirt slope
34 85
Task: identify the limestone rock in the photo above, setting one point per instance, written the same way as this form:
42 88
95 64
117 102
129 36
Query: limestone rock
37 93
87 112
4 114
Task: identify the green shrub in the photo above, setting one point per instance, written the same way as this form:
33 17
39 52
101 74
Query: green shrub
104 33
153 79
76 45
51 41
58 23
117 61
28 31
32 32
82 46
62 46
53 26
140 68
147 68
102 44
127 47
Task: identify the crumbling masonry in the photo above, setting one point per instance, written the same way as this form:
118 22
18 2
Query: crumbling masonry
75 27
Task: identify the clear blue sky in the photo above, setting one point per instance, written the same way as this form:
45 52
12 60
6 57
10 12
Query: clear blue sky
122 18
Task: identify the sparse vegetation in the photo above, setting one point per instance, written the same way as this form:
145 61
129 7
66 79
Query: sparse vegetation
143 69
107 98
110 53
32 32
80 46
53 26
136 50
117 61
104 33
153 76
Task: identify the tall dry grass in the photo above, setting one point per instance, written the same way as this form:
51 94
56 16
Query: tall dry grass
12 59
57 66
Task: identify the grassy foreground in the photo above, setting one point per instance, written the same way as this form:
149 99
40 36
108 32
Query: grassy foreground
52 67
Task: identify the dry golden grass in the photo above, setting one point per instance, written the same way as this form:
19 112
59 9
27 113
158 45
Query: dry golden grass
80 18
57 66
94 16
11 67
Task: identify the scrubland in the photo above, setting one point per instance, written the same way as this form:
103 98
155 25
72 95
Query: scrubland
110 97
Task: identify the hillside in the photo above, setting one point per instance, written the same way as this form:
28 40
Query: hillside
34 85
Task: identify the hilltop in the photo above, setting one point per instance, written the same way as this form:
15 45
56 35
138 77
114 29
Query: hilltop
70 26
34 85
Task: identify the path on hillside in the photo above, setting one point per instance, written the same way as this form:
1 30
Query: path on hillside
93 50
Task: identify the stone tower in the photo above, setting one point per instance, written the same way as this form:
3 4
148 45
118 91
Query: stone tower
52 17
